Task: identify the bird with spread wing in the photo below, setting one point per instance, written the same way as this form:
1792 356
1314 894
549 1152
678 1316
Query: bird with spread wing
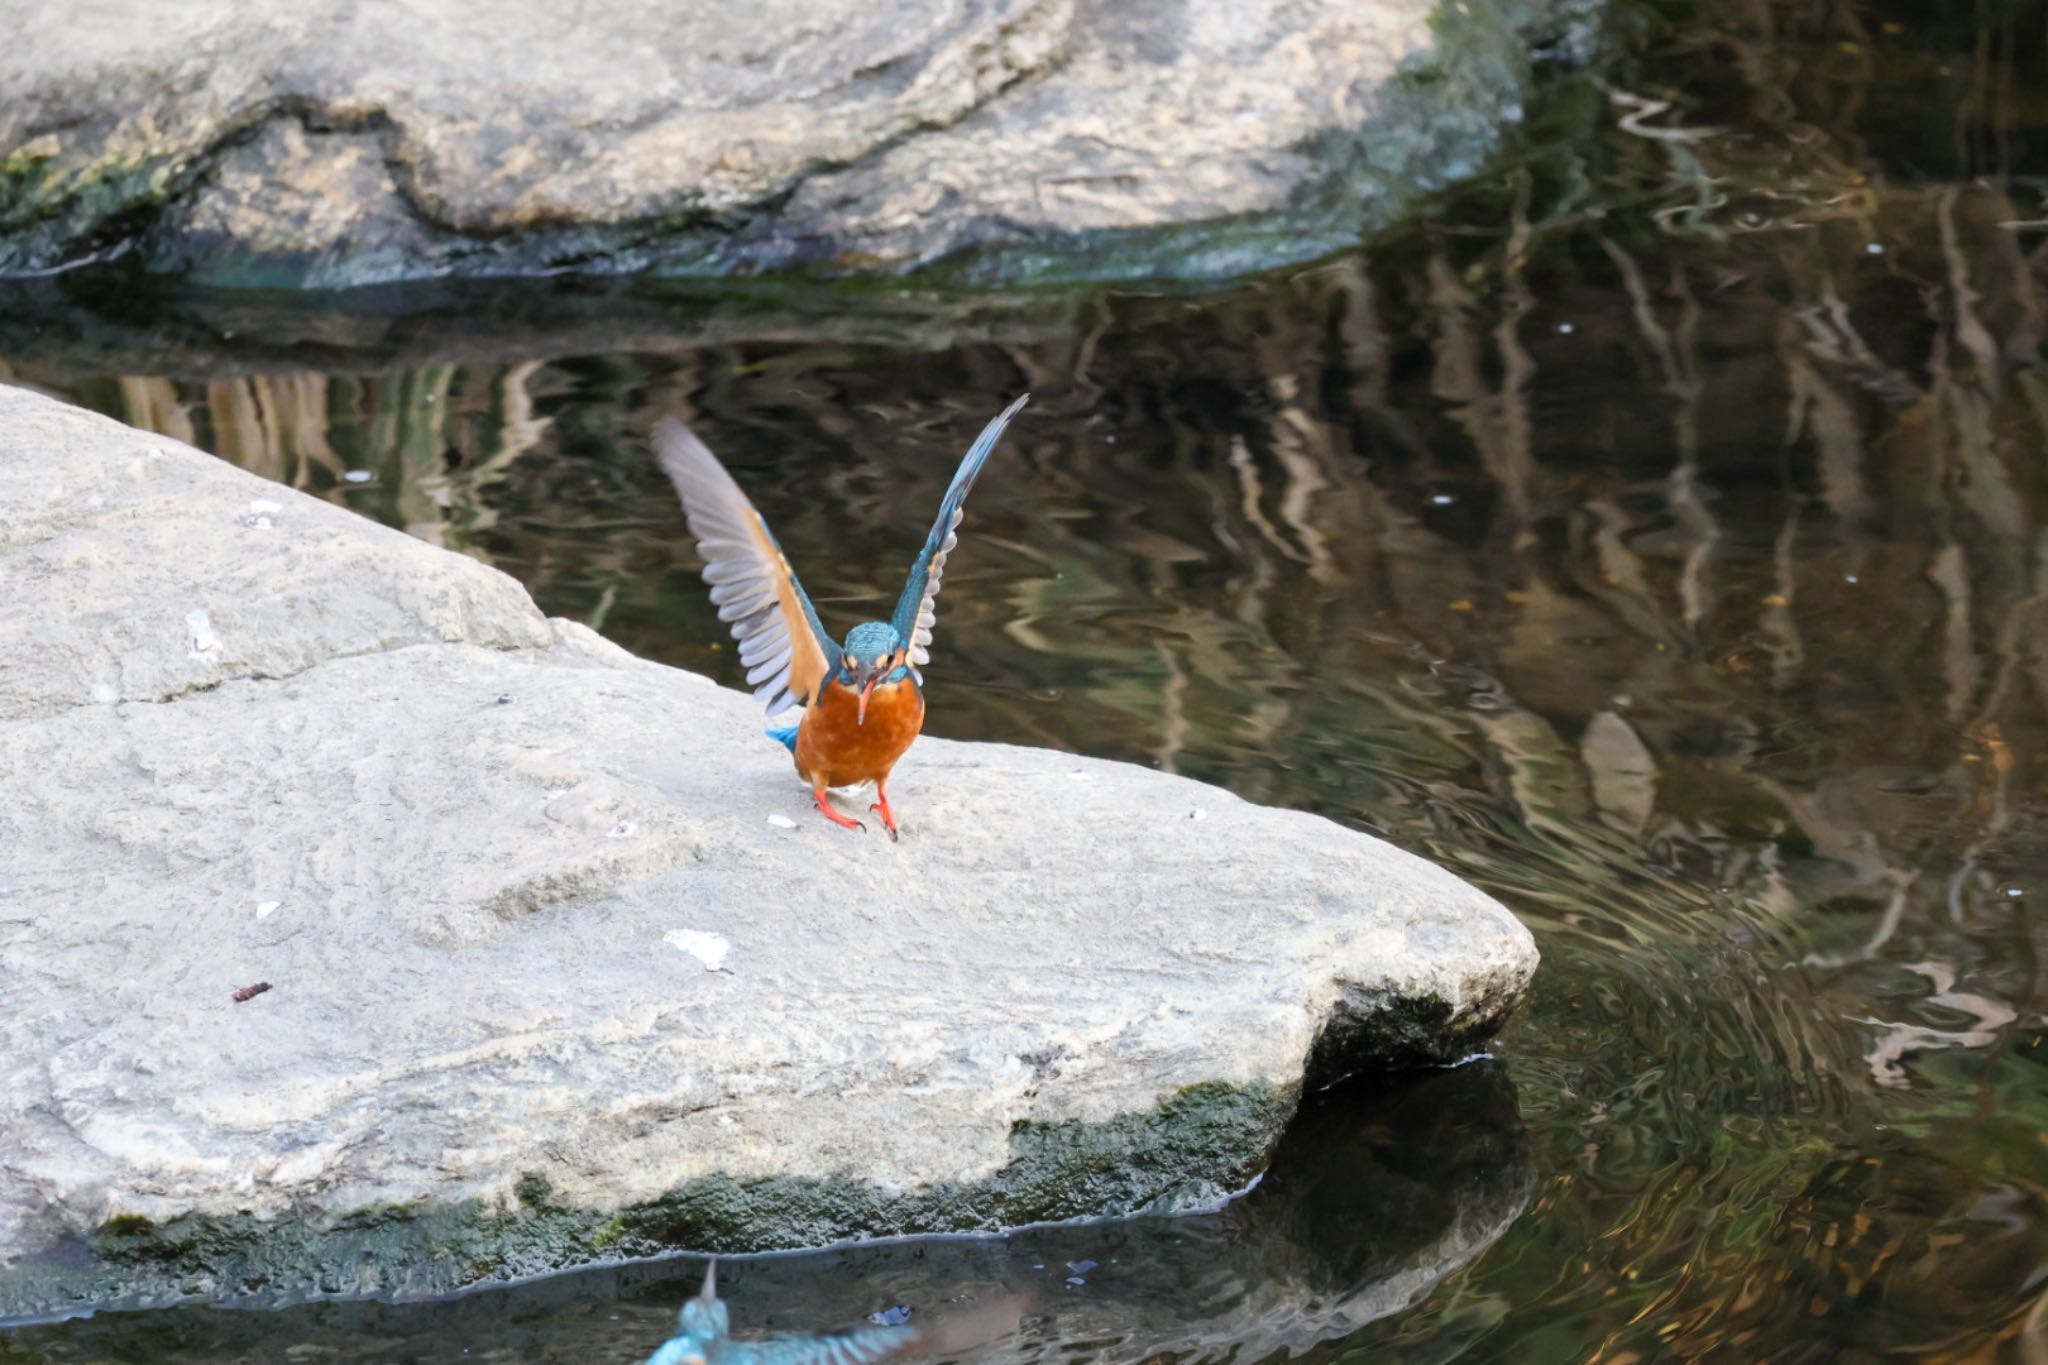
704 1336
863 701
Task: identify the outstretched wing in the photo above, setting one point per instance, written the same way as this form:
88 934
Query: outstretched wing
863 1346
916 609
781 640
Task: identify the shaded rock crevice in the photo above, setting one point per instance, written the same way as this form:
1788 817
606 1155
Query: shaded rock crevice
202 687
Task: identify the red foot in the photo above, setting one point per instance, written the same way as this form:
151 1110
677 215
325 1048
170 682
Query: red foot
888 816
834 816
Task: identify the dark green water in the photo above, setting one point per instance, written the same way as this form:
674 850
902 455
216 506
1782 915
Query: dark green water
1657 535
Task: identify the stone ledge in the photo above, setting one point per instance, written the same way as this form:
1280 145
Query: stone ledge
485 861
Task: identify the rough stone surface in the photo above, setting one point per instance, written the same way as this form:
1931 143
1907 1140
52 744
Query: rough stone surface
339 141
486 862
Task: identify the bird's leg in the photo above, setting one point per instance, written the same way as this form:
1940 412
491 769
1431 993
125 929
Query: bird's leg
818 794
882 805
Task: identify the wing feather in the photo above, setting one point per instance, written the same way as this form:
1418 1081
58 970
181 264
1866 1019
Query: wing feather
862 1346
756 591
758 650
767 663
917 610
744 599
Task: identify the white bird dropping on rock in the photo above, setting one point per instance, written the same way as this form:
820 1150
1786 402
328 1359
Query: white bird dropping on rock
781 821
264 909
622 830
258 517
708 949
200 637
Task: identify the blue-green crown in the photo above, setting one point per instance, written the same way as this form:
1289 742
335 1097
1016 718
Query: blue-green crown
871 640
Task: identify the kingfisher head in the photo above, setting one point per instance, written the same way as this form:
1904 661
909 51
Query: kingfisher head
873 651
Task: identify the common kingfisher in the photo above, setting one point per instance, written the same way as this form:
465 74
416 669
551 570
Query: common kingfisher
863 701
704 1337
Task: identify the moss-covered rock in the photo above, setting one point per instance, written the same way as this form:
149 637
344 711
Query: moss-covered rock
1193 1152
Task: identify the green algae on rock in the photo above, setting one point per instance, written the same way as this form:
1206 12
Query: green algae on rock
1277 1271
1191 1153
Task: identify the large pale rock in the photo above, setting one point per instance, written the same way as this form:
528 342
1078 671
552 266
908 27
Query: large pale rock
343 141
552 979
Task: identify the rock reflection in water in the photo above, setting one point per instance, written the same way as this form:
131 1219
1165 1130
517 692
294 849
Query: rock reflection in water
1379 1190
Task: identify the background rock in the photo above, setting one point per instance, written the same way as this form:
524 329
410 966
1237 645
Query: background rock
341 143
482 859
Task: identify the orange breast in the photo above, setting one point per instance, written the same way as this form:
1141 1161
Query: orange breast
834 750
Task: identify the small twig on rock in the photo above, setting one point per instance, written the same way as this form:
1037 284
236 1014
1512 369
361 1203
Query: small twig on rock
248 993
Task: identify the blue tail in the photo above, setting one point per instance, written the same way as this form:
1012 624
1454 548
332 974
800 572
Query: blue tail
785 735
